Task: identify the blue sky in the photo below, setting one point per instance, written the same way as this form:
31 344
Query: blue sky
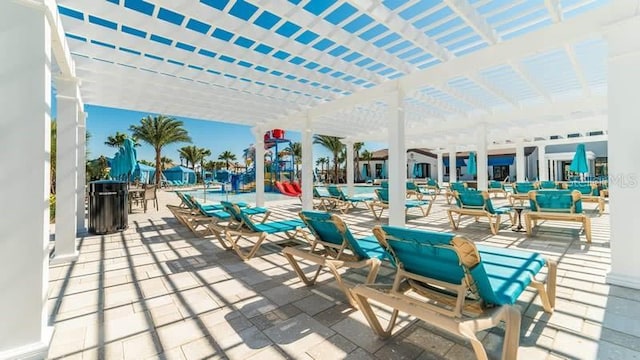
215 136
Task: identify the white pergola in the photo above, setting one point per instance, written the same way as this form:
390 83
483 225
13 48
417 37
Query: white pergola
451 75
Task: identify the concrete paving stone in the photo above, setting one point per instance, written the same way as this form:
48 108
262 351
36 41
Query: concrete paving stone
153 287
141 346
334 314
224 321
165 314
430 341
255 306
231 291
609 351
196 301
356 329
180 281
459 352
278 315
574 345
243 343
298 334
179 333
211 275
203 348
269 353
335 347
171 354
283 294
314 304
399 348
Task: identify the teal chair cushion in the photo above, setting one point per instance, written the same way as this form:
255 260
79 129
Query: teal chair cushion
320 224
415 203
524 187
548 185
555 200
584 189
273 227
495 184
458 186
501 276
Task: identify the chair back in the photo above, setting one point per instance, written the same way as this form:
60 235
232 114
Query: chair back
150 192
559 201
475 200
585 188
411 186
331 229
524 187
548 185
320 191
496 184
189 200
384 184
335 191
233 210
383 195
431 182
458 186
439 256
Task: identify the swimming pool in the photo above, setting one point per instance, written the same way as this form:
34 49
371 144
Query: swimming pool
209 196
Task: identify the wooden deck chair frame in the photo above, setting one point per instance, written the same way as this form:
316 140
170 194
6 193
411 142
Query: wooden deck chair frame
378 206
477 212
531 218
446 305
521 197
247 230
330 255
344 202
194 220
498 190
322 202
591 198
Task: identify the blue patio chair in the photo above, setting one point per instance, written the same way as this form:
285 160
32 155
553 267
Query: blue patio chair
521 191
333 246
382 203
557 205
589 192
250 228
478 204
345 202
548 185
453 284
497 187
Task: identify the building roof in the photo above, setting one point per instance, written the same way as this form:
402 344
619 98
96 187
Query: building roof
530 70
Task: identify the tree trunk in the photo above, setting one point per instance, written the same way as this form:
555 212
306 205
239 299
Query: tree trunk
335 168
158 166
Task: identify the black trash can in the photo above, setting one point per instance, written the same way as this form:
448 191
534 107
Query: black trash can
108 206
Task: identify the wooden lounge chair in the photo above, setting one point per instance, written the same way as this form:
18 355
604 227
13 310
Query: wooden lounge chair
382 203
478 204
345 202
249 228
497 187
322 199
453 187
589 192
333 246
432 186
558 205
419 192
452 284
521 192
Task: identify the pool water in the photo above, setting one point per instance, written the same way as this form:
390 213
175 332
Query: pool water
211 196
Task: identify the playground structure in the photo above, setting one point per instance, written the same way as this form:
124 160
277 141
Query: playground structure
282 164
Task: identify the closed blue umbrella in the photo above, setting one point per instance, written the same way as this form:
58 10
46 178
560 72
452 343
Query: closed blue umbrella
579 163
417 170
129 160
472 168
365 173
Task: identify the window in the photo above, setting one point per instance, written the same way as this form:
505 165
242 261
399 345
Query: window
601 166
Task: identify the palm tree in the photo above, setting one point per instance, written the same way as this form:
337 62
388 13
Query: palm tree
296 150
146 162
191 154
158 132
166 162
367 156
227 156
357 146
118 139
333 144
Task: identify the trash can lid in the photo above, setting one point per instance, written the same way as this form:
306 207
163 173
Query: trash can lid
107 182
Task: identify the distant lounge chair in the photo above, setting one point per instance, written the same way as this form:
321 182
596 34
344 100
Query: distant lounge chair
478 204
322 199
250 228
414 190
382 203
548 185
521 191
497 187
345 202
452 284
456 186
589 193
333 246
558 205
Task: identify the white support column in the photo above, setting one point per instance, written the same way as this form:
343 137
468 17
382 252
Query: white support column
520 163
259 164
350 171
25 91
543 164
624 168
439 168
481 157
397 160
453 176
307 167
81 226
66 171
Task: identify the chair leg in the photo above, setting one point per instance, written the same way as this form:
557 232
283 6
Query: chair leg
587 228
372 319
454 226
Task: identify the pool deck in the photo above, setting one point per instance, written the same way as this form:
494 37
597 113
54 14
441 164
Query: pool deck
156 291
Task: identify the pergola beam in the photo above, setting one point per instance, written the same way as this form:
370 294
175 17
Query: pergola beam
469 14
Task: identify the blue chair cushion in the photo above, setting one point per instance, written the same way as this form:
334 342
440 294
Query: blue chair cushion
415 203
555 200
503 274
273 227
